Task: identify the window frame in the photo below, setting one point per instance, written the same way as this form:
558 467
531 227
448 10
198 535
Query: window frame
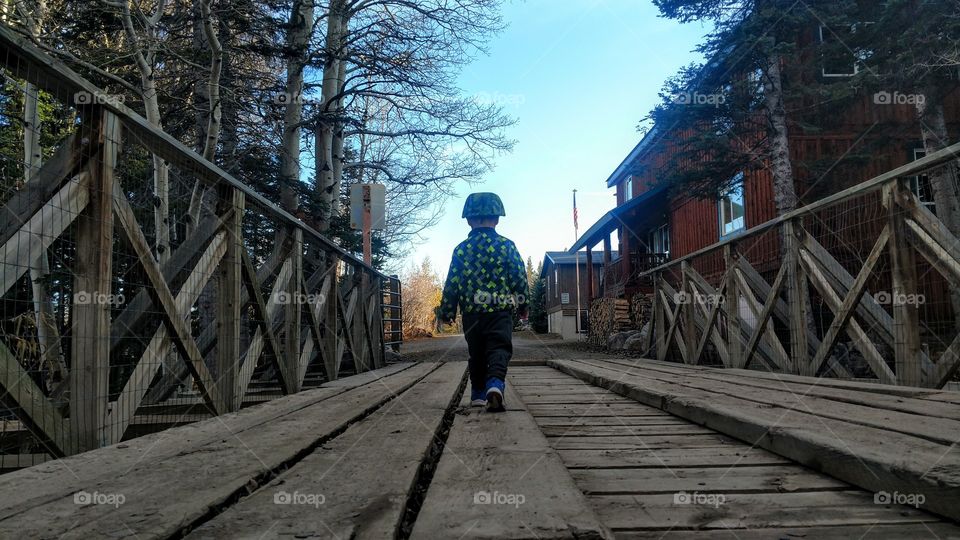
929 204
738 185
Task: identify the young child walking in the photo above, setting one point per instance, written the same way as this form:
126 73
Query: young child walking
486 280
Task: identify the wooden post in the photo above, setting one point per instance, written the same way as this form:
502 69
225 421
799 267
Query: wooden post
379 352
331 326
90 311
903 272
229 285
732 305
656 321
359 350
687 312
796 299
606 264
292 312
590 292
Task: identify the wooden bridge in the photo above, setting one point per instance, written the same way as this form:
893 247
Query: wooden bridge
235 383
590 447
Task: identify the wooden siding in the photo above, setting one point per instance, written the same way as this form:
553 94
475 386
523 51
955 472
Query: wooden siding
568 283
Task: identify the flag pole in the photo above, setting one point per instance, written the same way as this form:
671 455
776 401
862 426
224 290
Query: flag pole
576 259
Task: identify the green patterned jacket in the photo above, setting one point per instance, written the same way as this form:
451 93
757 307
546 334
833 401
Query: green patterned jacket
486 275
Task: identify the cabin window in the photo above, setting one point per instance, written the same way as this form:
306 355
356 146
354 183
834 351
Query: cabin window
628 189
837 62
659 240
556 283
732 216
921 186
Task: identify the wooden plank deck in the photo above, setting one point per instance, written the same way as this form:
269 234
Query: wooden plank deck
864 436
653 485
588 448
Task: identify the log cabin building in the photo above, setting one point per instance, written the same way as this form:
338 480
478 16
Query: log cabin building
655 222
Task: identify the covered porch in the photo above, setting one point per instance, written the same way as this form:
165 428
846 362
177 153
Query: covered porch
642 224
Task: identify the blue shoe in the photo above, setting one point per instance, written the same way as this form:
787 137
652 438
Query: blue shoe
495 395
478 398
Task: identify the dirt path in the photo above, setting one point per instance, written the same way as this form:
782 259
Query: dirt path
526 346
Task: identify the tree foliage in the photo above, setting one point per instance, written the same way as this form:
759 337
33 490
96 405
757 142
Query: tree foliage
422 290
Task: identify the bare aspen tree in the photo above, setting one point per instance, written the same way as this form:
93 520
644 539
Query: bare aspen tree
143 48
48 335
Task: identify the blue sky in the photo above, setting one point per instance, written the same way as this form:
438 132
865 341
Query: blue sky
578 75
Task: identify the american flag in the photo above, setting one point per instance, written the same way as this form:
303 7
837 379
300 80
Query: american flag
575 226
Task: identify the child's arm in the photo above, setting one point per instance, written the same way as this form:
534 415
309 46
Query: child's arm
517 271
451 296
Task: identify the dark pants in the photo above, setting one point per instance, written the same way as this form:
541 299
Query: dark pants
490 342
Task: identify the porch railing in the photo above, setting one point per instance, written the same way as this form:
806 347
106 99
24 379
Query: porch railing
863 283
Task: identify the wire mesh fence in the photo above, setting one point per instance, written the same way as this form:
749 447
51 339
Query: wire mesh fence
142 286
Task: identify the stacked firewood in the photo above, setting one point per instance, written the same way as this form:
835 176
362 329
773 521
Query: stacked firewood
608 315
641 309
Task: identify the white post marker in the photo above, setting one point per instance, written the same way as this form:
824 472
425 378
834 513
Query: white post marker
367 212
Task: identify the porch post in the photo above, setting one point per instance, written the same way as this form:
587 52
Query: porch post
606 263
589 277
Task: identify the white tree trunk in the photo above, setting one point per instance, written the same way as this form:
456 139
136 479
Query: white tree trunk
143 55
298 39
211 134
784 191
48 335
327 130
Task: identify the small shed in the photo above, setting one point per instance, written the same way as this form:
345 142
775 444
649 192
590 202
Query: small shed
560 275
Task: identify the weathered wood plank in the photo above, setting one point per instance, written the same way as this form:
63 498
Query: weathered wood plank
852 392
873 531
80 472
644 442
89 376
229 285
751 510
871 458
162 501
500 458
934 429
361 497
726 458
764 478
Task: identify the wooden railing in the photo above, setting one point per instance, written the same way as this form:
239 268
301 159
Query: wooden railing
615 278
247 304
859 284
